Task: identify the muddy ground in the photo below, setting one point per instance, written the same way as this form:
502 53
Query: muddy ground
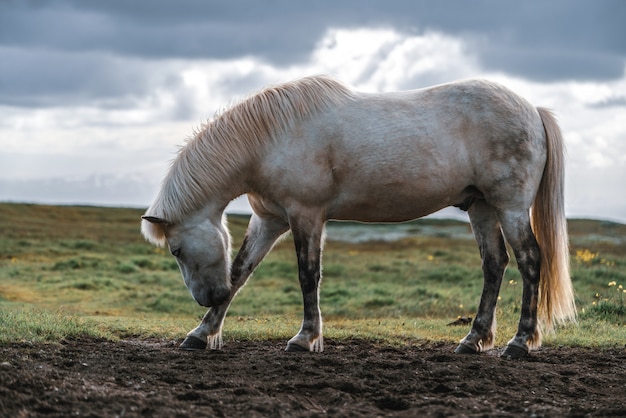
351 378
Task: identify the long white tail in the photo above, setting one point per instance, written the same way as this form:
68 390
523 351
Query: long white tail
556 294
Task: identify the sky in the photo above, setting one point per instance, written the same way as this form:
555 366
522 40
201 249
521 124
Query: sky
96 96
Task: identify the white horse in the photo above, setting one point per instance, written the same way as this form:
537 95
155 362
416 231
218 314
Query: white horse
312 150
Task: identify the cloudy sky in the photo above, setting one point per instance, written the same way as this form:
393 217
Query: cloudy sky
95 95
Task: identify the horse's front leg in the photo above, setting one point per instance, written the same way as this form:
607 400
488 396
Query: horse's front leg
309 250
209 332
260 237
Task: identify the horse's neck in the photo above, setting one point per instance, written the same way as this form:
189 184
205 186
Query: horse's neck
229 187
236 177
218 202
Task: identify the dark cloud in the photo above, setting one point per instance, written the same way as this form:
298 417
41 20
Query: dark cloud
540 40
47 78
284 28
152 29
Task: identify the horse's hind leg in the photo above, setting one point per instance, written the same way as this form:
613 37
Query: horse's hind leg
495 259
518 232
261 235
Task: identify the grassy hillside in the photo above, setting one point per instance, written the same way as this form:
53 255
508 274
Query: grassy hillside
73 270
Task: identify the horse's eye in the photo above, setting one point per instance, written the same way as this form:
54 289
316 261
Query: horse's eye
176 252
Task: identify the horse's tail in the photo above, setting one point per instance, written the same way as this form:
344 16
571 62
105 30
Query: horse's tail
556 294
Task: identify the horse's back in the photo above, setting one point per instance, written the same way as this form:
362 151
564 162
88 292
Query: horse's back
476 112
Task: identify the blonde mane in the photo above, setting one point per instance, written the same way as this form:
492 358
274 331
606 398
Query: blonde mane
211 159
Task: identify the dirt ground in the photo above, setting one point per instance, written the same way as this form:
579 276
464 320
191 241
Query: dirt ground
90 378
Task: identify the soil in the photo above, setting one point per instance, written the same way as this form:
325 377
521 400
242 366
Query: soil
92 378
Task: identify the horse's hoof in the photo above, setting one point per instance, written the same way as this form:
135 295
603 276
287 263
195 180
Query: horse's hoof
295 348
192 344
514 352
465 349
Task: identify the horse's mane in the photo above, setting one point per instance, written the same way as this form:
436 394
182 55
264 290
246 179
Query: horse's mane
215 153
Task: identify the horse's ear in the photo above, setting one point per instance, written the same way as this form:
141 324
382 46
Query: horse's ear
155 220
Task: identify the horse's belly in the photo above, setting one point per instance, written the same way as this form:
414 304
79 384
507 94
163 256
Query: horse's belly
389 204
401 185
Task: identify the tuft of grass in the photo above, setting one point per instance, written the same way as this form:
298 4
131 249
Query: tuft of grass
609 306
29 324
606 312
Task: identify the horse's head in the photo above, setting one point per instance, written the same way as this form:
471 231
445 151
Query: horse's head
202 251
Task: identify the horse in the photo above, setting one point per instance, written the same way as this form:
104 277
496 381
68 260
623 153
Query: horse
313 149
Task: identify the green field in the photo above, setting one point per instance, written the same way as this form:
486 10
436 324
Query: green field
71 271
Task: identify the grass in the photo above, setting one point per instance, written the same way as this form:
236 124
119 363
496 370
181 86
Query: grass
73 271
